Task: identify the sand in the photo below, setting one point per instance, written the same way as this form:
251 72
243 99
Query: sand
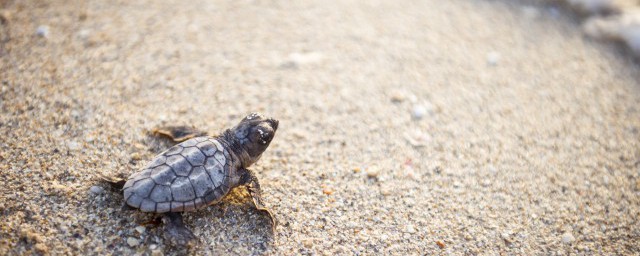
406 128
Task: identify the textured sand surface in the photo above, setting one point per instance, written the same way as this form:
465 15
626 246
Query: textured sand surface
409 127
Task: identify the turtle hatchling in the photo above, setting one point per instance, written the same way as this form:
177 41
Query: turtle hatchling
199 171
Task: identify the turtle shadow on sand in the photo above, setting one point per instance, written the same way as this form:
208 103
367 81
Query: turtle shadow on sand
193 171
231 223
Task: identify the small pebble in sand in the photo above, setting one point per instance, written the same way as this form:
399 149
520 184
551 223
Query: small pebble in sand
422 109
156 253
568 238
42 31
327 191
84 33
418 112
136 156
493 58
299 58
308 243
96 190
140 229
373 172
440 244
398 96
410 229
506 238
133 242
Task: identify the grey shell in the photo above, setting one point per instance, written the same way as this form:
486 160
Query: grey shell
187 176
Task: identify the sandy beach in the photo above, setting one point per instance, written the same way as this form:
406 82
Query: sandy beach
462 127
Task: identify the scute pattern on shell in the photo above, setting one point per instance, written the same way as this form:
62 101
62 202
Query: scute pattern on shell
185 177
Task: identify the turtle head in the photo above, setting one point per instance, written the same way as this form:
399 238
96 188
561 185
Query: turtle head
254 134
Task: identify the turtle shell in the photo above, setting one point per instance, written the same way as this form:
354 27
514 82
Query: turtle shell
185 177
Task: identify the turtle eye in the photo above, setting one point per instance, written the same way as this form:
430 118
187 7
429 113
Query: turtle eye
263 136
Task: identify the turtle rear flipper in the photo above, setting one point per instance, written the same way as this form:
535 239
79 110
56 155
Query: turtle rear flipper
114 182
176 232
177 133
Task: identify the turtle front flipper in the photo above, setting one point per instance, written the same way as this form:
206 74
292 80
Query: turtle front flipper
175 231
253 186
257 201
178 133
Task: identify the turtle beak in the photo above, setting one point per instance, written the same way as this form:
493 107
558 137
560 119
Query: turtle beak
274 123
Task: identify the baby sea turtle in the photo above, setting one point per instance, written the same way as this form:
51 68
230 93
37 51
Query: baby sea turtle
199 172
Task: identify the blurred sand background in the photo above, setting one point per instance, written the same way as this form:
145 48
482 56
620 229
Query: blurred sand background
407 128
